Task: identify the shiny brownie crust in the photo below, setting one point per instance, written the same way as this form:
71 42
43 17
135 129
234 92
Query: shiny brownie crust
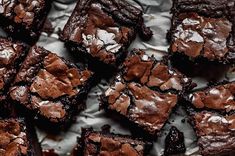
211 112
100 143
50 87
24 19
12 55
18 138
145 92
203 30
101 30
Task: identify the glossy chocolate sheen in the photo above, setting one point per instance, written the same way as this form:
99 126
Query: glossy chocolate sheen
215 132
220 98
96 143
201 36
147 71
203 30
27 15
11 55
49 84
102 32
145 91
13 138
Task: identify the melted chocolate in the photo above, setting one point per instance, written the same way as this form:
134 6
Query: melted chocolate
218 98
201 36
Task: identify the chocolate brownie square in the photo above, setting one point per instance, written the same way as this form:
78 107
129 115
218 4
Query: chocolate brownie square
18 138
99 143
100 31
24 19
50 87
145 91
11 56
203 30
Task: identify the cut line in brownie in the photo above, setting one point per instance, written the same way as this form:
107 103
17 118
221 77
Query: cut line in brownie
220 97
18 137
100 31
100 143
24 19
145 91
12 55
203 30
50 87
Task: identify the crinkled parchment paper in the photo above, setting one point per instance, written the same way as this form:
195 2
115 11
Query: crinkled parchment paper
157 17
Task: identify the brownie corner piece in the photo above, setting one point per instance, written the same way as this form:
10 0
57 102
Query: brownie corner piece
145 92
203 30
102 30
12 54
18 138
94 142
24 20
50 87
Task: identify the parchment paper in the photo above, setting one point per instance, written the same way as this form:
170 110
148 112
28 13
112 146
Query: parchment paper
157 17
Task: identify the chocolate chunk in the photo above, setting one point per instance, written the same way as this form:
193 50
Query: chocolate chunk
174 142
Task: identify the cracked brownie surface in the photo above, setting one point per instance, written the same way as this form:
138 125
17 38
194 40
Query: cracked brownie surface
24 17
50 86
11 56
203 29
145 91
103 30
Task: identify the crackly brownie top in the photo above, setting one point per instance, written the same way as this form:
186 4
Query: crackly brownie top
99 144
22 11
99 33
197 35
13 138
141 68
145 107
220 97
9 53
215 132
45 81
142 91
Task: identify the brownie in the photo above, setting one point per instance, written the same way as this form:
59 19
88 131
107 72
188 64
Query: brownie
50 87
145 91
219 98
215 132
24 19
99 143
18 138
174 142
203 30
11 56
100 31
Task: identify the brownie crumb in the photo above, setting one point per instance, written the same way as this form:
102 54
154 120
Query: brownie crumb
174 142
